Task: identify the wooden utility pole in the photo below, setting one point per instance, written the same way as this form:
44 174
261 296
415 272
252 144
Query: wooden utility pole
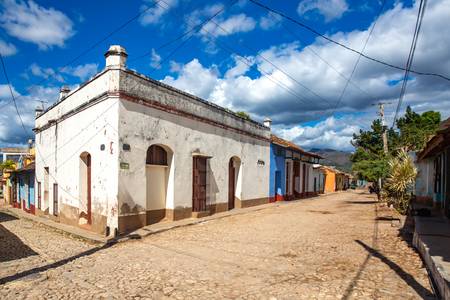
383 124
383 134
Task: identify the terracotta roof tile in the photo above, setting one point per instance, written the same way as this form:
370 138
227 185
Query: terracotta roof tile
288 144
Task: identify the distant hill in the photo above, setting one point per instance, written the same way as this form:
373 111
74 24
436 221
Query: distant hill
339 159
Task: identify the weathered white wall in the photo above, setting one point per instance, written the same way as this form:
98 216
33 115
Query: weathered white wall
141 127
59 147
424 180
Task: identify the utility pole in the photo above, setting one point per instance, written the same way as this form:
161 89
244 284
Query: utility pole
383 124
384 135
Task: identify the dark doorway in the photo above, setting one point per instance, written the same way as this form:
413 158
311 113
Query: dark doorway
231 184
278 197
294 178
199 183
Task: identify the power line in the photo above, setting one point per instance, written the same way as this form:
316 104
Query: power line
250 64
358 59
272 64
309 28
412 50
96 44
323 60
192 30
12 93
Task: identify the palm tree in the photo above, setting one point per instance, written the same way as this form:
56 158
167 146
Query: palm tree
400 181
8 165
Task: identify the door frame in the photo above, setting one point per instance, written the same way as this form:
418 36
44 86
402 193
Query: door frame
231 184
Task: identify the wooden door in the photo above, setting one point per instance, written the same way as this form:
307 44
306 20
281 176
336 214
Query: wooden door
88 175
288 175
304 180
199 184
294 178
231 184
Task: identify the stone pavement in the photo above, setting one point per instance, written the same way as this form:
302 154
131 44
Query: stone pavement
432 239
70 230
337 247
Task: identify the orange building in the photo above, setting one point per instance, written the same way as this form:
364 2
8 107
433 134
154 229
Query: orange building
330 179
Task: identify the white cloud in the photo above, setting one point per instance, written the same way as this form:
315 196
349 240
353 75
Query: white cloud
194 79
45 73
7 49
233 24
83 72
11 131
330 9
33 23
155 60
241 67
260 96
334 133
155 12
270 21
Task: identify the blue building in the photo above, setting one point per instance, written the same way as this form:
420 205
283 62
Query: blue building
23 188
292 174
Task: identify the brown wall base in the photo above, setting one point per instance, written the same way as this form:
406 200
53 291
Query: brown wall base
131 222
70 215
252 202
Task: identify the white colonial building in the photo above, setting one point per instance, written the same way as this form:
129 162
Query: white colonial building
122 151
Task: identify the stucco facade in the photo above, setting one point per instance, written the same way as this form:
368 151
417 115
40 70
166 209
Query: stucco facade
291 171
123 151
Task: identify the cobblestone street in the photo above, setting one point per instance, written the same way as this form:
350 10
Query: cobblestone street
340 246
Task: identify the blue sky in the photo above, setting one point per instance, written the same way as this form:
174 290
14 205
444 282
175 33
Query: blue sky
38 39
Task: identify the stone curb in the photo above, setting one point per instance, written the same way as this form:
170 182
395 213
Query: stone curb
62 228
439 278
150 229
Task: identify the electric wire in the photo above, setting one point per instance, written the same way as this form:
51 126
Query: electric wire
246 61
409 61
93 46
192 30
338 102
309 28
12 93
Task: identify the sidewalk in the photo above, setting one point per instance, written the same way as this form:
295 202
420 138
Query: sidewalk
149 229
432 240
71 230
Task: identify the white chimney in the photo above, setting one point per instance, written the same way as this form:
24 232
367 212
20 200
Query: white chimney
63 92
38 111
116 57
267 122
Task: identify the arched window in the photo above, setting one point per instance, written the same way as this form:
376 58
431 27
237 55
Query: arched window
156 155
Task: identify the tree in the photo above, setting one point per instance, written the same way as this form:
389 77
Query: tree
8 164
369 160
243 115
416 129
400 180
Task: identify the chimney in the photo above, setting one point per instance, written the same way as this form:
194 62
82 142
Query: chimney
38 111
267 122
116 56
63 92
